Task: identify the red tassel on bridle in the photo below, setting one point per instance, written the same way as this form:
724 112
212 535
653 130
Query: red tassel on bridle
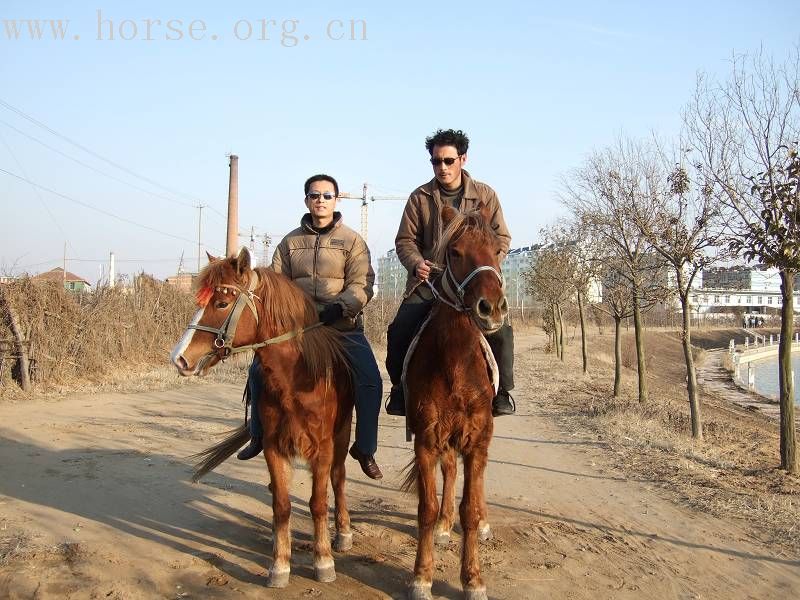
203 296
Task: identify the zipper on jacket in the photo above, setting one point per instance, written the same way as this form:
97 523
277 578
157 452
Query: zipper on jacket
316 252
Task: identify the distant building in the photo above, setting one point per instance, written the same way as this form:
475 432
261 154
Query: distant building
182 281
757 278
391 276
517 262
4 279
72 282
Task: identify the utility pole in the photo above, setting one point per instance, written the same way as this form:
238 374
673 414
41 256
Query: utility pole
232 243
200 208
112 270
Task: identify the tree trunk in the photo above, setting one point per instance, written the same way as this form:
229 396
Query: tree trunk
691 374
561 333
583 334
16 331
788 446
556 339
617 354
641 364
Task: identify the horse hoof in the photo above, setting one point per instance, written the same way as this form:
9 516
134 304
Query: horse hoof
476 594
485 533
419 591
343 542
442 538
325 574
278 579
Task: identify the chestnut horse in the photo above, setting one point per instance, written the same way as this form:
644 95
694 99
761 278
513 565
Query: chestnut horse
450 394
306 405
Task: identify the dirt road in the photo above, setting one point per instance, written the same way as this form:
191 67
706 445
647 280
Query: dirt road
95 502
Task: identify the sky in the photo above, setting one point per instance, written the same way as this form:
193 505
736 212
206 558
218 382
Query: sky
112 136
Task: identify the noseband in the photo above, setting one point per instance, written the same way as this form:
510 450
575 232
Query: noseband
223 344
453 291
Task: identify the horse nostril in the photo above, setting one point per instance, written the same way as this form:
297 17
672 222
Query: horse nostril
181 363
484 308
503 306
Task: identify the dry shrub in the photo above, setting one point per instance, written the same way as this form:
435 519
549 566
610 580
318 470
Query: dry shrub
77 338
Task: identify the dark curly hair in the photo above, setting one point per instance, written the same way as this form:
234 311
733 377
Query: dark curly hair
321 177
448 137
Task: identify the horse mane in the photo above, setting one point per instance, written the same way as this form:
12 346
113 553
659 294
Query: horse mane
460 224
286 307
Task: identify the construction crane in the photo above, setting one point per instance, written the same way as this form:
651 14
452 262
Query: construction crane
364 206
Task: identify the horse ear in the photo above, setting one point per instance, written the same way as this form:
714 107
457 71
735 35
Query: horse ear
243 261
211 257
448 212
483 209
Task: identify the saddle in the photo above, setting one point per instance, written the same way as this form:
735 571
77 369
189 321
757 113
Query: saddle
491 367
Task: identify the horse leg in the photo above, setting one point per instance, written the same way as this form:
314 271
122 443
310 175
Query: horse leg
280 472
324 570
470 511
428 507
484 529
344 537
448 509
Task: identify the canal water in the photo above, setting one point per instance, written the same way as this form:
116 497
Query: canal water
766 372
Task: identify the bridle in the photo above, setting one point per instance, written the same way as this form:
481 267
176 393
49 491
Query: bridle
223 344
453 291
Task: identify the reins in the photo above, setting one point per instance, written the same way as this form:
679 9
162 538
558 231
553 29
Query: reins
227 331
453 291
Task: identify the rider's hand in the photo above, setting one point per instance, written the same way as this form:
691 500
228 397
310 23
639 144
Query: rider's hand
423 269
331 313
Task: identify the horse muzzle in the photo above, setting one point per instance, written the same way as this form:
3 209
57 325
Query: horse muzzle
489 315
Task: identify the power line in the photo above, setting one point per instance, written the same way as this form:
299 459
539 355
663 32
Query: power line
36 191
93 153
94 208
95 169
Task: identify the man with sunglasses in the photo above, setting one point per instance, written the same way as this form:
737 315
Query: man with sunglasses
420 229
331 262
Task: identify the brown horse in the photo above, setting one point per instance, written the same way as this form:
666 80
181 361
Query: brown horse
450 395
307 404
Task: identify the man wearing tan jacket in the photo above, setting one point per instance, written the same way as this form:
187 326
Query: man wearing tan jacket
331 263
420 229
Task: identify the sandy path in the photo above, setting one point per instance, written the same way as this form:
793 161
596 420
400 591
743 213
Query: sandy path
95 503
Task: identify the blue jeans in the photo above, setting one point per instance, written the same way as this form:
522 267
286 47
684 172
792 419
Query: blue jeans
367 385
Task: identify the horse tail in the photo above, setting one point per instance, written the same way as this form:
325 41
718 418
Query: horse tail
411 470
211 458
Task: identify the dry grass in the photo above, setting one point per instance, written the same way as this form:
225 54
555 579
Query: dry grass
733 473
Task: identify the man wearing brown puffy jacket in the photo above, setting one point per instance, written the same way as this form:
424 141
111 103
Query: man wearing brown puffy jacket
331 262
420 229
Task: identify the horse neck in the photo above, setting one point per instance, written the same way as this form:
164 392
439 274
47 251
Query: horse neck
284 306
453 328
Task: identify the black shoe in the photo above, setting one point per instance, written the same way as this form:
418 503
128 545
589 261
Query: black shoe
368 464
503 404
251 450
397 404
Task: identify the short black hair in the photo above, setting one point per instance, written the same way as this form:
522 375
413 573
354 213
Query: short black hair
321 177
448 137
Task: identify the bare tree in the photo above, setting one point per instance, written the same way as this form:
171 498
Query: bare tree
684 224
618 304
548 281
605 193
746 131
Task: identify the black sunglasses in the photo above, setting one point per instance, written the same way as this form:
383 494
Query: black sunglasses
316 195
448 161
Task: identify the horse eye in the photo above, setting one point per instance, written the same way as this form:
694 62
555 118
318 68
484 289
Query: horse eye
455 253
220 305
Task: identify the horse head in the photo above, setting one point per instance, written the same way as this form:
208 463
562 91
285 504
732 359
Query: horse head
470 251
227 316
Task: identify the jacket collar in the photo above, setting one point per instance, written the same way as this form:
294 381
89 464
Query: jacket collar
470 191
307 224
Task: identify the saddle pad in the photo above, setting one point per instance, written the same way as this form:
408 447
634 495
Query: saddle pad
491 365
